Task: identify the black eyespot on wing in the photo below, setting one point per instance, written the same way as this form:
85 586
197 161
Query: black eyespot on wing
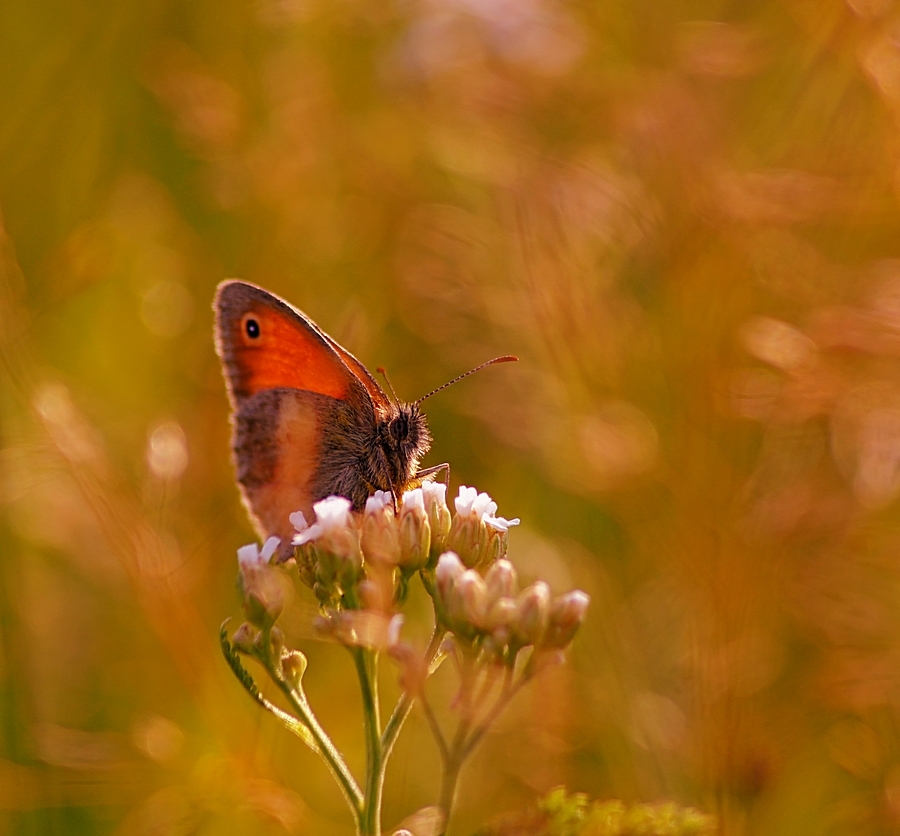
251 327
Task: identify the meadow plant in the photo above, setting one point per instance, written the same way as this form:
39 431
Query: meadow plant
359 566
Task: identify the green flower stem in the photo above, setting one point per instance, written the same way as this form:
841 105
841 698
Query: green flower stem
326 748
448 792
450 778
367 671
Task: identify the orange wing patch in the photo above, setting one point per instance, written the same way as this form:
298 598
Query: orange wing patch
265 345
285 355
287 481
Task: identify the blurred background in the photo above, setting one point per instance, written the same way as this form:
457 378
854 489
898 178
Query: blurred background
681 216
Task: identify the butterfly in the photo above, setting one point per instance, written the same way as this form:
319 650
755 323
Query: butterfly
309 420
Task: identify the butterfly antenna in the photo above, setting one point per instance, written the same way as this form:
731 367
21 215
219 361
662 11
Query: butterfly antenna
506 359
381 370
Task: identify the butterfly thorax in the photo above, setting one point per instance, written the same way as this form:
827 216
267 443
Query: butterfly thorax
403 438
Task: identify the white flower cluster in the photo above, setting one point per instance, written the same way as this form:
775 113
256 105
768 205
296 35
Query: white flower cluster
362 563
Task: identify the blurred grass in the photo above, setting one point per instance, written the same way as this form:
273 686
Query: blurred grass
682 217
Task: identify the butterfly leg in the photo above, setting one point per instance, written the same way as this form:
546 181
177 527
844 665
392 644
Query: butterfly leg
430 471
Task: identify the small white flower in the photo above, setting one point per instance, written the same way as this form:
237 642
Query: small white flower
414 500
471 502
434 492
499 523
484 506
332 513
378 501
465 500
251 555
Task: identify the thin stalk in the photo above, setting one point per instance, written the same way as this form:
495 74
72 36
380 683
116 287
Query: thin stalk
327 749
507 692
367 670
466 739
456 754
448 791
452 766
435 729
405 703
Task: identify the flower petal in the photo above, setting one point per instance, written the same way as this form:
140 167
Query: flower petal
379 500
465 500
435 492
269 548
308 535
333 511
248 555
414 500
500 523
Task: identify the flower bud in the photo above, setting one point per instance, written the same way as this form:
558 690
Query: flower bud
293 665
276 638
435 494
501 613
468 601
463 538
334 534
566 615
476 533
325 623
449 568
502 580
244 639
415 532
533 613
262 595
378 538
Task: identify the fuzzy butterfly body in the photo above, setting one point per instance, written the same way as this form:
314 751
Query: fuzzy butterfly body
309 419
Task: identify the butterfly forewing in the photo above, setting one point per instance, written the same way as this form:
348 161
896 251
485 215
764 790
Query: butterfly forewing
303 417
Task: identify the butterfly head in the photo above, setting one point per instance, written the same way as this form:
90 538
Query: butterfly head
404 438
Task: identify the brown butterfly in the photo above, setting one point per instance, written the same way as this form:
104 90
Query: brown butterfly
309 419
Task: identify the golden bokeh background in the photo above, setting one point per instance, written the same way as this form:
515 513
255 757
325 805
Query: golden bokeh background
682 216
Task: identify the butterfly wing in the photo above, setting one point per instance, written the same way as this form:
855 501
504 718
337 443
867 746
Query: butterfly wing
301 413
265 343
376 393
